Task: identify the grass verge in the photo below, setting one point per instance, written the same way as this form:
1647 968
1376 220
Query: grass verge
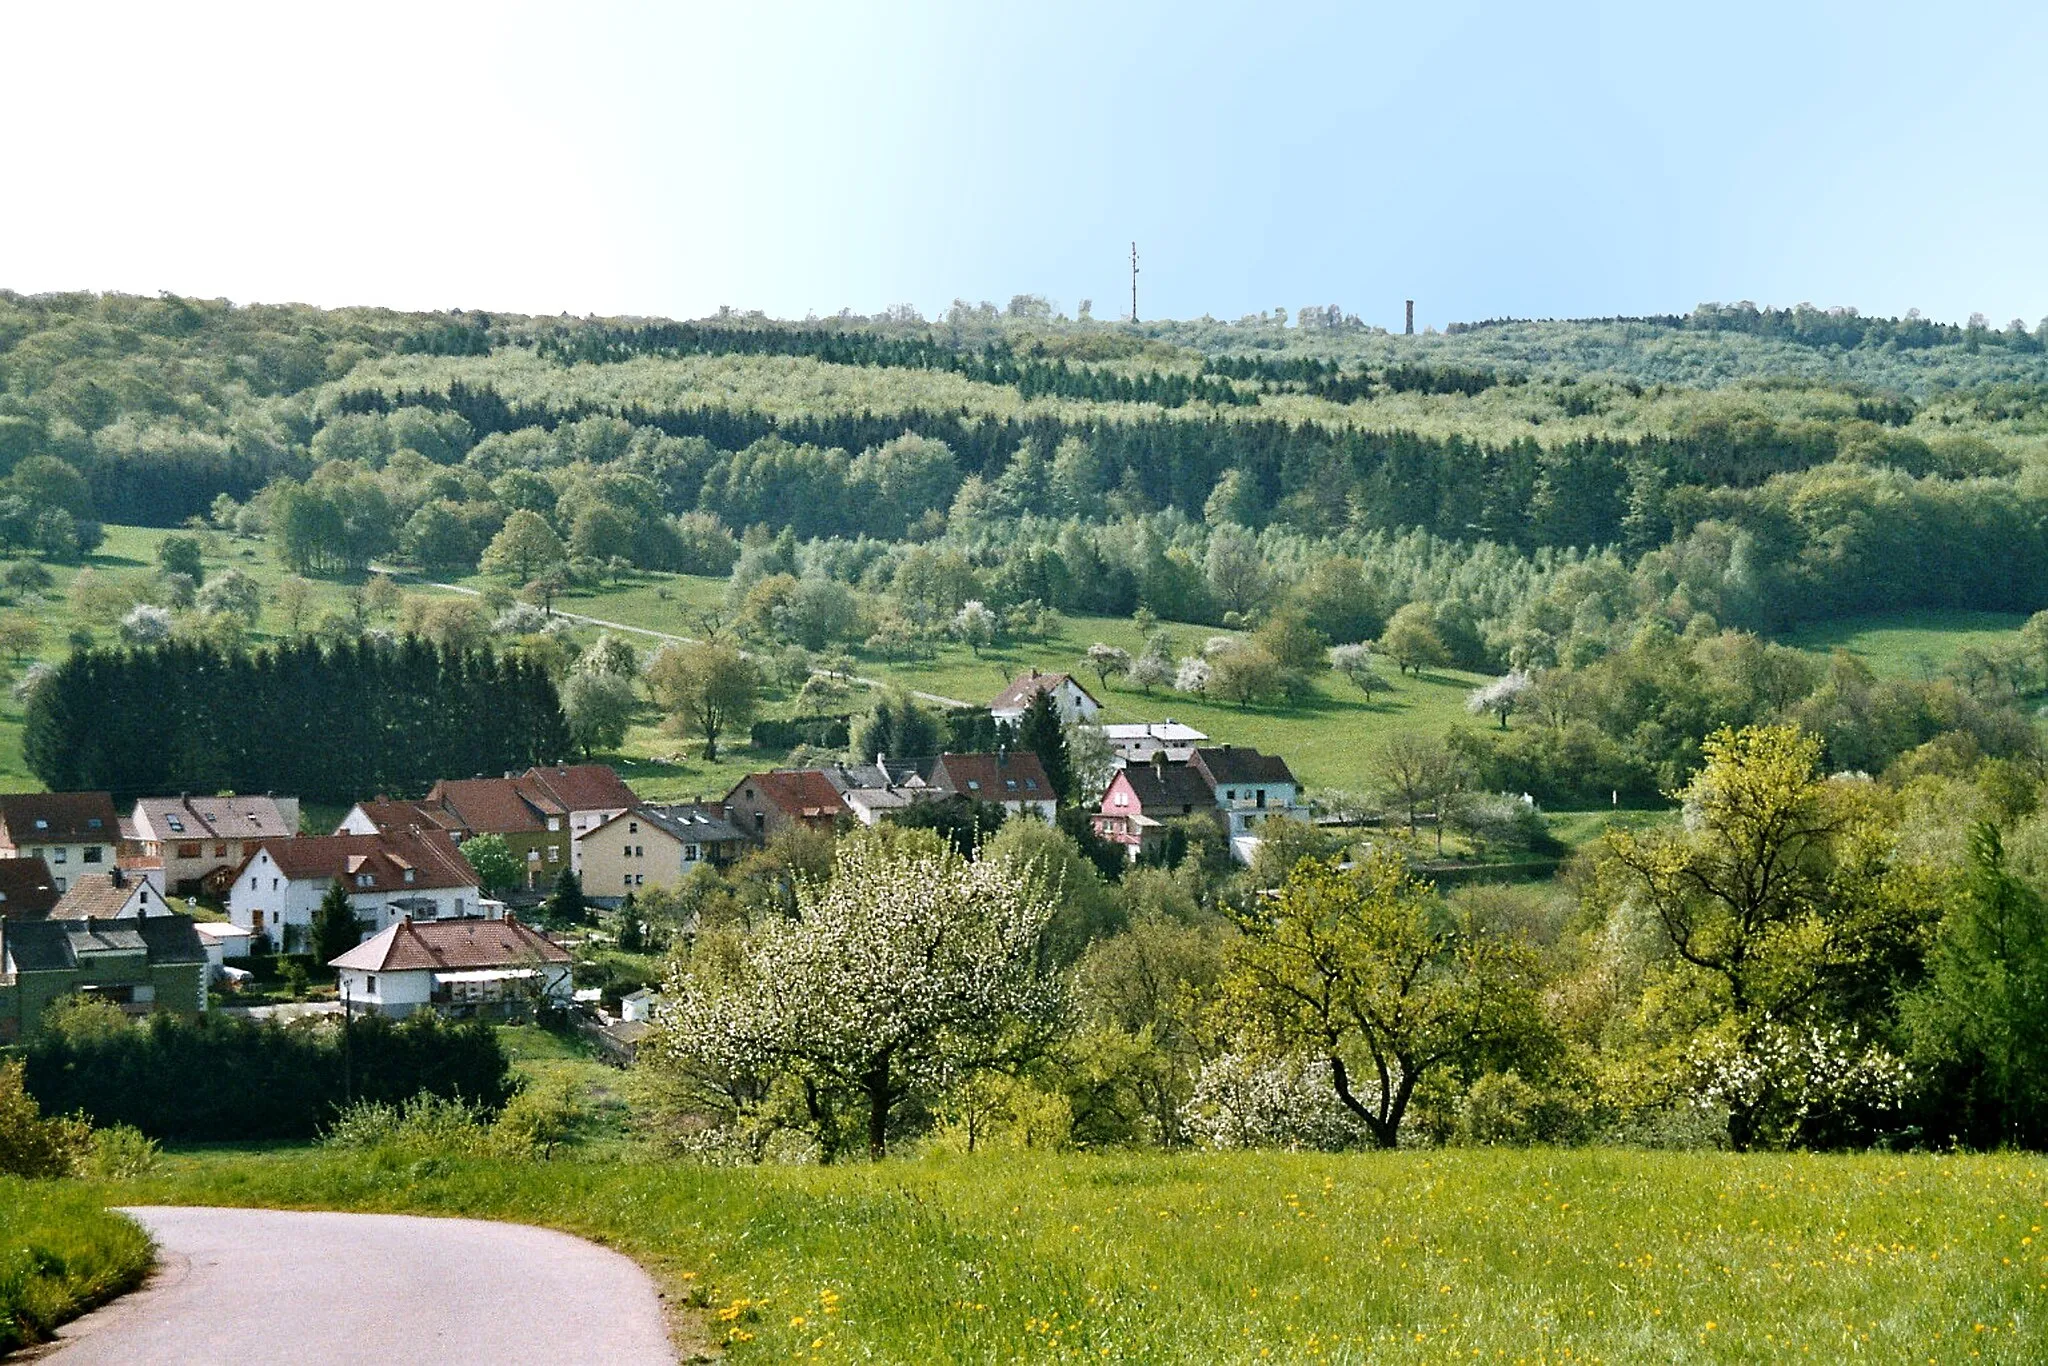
60 1254
1466 1255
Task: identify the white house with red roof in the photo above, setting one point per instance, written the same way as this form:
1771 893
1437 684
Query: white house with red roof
459 967
1077 706
390 876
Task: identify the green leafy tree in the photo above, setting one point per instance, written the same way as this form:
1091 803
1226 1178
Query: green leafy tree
709 688
1412 642
497 867
1040 731
181 554
523 547
1370 972
600 708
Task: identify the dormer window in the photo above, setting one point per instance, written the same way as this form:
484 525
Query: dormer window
408 875
973 785
42 824
364 879
92 823
177 826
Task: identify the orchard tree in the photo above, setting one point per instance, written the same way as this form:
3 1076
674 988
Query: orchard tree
975 624
524 546
1354 662
1411 640
1500 697
1413 771
906 971
1369 969
235 594
1108 661
1244 675
599 708
709 688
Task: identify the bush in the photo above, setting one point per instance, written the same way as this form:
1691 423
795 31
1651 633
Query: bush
819 732
119 1153
220 1080
31 1145
424 1125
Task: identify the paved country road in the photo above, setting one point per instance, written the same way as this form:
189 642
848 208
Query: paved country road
236 1286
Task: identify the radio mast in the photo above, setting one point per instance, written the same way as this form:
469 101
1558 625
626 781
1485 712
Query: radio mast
1134 282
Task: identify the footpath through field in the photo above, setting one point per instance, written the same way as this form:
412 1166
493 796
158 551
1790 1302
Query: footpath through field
934 698
252 1285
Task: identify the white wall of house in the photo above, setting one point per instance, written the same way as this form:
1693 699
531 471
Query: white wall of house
264 899
1073 702
387 993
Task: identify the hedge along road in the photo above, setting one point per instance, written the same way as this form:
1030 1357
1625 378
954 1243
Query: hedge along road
252 1285
604 625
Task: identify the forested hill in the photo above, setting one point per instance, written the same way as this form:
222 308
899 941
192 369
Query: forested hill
1752 465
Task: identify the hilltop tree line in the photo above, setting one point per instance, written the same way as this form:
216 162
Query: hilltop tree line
330 722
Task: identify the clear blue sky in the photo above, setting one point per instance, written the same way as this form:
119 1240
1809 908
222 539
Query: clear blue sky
1485 159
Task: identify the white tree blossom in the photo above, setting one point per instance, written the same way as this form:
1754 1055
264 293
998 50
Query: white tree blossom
1355 663
1193 675
146 624
902 972
1244 1101
1500 697
975 624
1150 671
521 619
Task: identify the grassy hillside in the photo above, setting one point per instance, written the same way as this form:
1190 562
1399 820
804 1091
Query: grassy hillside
1915 645
60 1254
1450 1255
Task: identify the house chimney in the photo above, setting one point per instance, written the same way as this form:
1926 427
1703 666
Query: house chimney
115 876
1159 762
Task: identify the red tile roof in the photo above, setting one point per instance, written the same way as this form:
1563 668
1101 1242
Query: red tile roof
431 854
577 787
486 806
66 818
1009 777
803 793
388 815
1018 694
27 891
453 946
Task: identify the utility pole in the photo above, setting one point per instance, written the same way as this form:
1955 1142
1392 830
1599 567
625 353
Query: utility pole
1134 282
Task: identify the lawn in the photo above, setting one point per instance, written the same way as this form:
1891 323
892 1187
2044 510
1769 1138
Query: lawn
1493 1255
1917 645
60 1254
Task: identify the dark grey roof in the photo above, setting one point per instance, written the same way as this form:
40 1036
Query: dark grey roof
887 772
1164 786
693 824
1234 764
59 945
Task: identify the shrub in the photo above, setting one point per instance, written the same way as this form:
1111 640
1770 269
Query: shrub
29 1144
119 1152
425 1125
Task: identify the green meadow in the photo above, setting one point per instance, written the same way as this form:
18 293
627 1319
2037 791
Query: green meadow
1465 1255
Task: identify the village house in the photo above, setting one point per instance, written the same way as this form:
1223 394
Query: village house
1075 703
1137 741
140 963
419 874
198 842
27 891
71 832
1012 779
1237 788
464 967
763 803
113 895
538 813
653 846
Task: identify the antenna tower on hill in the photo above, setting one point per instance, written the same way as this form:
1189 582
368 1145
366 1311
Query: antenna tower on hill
1134 282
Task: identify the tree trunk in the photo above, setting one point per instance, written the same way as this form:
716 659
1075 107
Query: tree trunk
876 1084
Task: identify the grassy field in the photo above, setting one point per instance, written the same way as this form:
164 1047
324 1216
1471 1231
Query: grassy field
1916 645
1490 1255
60 1254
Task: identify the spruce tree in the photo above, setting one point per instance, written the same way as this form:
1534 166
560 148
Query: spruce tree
335 928
1040 732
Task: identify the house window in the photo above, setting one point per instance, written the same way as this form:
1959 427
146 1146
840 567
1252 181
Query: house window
91 854
252 884
220 851
554 822
273 883
59 854
92 823
370 985
1123 799
632 827
629 878
639 851
364 879
1262 799
554 853
639 879
1230 794
760 821
256 921
533 856
59 882
408 875
188 851
689 853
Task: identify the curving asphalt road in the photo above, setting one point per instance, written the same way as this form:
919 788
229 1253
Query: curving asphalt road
263 1286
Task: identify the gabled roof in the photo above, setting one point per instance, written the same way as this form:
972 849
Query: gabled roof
26 888
229 818
452 945
58 818
1012 776
386 814
96 896
803 793
60 945
884 772
430 854
1017 697
577 787
687 822
486 806
1166 786
1234 764
1167 732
